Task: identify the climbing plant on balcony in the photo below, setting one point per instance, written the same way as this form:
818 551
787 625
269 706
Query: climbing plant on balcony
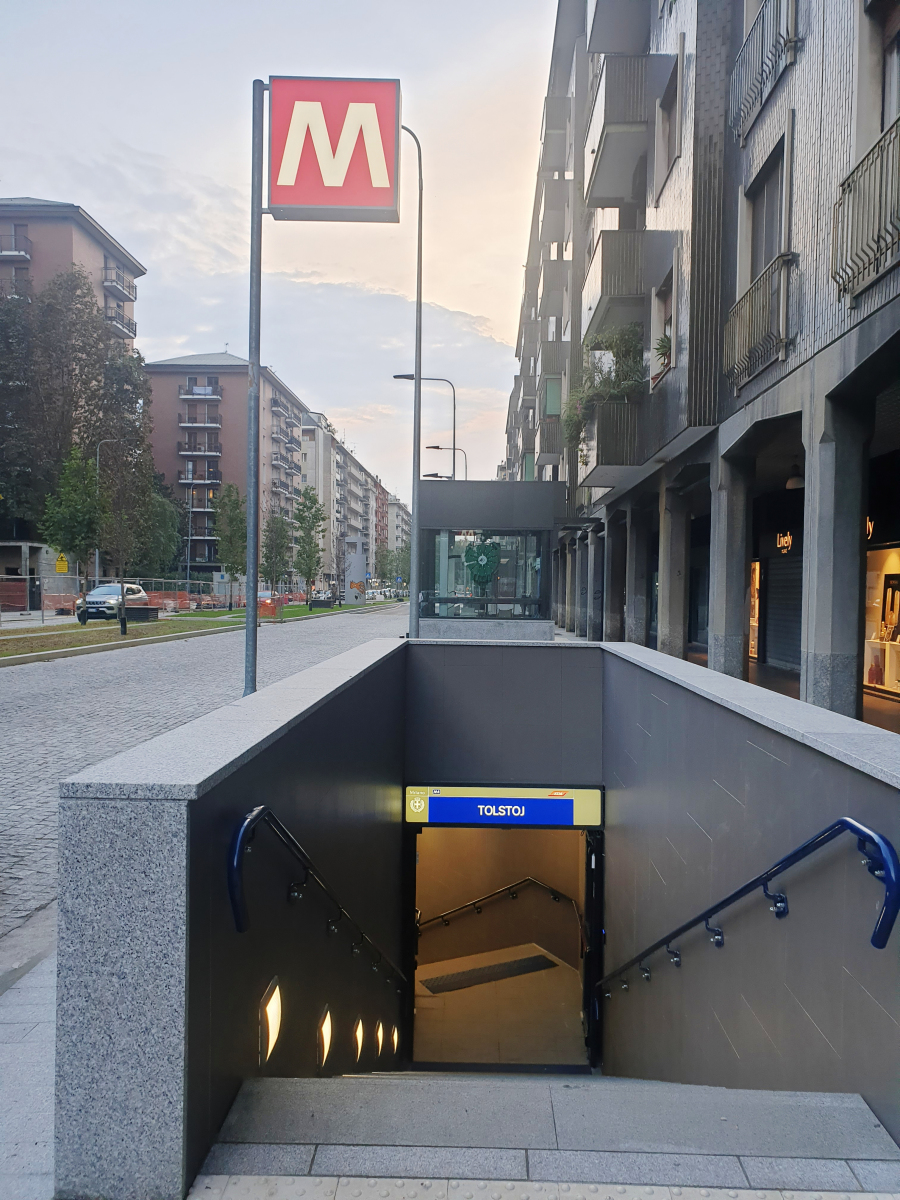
613 371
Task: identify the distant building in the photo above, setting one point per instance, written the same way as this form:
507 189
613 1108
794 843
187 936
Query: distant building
399 524
41 238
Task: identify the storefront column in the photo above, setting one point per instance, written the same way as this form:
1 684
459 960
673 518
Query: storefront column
729 565
581 584
636 611
561 592
836 439
554 585
674 574
571 590
614 579
595 587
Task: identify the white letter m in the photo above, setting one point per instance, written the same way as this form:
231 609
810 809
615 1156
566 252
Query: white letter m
308 114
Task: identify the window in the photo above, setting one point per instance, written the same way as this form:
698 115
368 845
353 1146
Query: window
662 326
766 199
212 381
192 382
668 122
553 396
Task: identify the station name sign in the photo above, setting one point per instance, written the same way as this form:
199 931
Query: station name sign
428 804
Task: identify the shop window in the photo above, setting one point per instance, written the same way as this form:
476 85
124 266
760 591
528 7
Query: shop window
553 396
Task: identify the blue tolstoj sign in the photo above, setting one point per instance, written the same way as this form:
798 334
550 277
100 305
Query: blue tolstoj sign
438 805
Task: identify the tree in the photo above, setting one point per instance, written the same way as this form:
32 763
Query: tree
384 562
401 563
161 540
75 513
230 518
275 560
125 527
16 442
309 516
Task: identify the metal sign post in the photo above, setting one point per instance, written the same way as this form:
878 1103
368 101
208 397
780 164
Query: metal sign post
334 155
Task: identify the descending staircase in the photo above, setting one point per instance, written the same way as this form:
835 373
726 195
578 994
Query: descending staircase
548 1133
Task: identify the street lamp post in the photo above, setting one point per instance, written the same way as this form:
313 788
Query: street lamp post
456 450
440 379
105 442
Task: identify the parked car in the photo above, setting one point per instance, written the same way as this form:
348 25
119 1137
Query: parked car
103 601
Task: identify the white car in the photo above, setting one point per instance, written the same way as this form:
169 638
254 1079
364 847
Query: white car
103 601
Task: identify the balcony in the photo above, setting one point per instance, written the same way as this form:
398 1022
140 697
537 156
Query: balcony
552 220
15 248
768 49
755 331
198 450
282 460
15 289
865 240
614 285
204 533
279 406
618 26
195 390
200 421
617 132
121 323
279 485
554 280
119 285
552 358
279 434
208 477
292 442
548 443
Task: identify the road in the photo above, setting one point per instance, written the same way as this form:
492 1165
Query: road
59 717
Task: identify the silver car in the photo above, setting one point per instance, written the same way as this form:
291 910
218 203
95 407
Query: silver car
103 601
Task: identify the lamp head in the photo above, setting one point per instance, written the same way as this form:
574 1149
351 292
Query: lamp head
404 376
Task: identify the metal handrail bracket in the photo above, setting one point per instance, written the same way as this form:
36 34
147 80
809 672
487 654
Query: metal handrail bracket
240 844
880 859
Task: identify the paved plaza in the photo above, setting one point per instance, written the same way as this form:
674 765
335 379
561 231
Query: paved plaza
59 717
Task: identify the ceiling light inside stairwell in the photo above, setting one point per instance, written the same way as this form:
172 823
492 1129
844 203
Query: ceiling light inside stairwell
358 1037
324 1037
269 1020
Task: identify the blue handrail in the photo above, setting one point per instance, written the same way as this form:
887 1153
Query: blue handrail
240 844
881 860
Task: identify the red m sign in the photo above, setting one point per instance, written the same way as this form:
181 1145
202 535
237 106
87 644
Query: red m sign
334 149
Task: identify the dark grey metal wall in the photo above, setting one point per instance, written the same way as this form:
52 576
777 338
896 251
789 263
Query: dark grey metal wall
700 799
485 504
335 780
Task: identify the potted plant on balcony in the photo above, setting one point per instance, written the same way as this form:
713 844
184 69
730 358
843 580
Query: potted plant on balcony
613 372
663 352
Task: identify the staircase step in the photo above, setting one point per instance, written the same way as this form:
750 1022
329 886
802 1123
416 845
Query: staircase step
592 1131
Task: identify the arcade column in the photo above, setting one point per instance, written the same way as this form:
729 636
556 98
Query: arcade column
730 481
614 578
674 571
636 609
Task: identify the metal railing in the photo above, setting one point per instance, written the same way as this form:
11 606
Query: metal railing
195 390
512 891
756 328
620 99
768 48
865 240
278 485
616 271
115 317
208 419
549 439
209 477
240 847
881 862
120 280
15 243
15 289
195 448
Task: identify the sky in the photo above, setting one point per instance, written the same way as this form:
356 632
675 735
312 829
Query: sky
141 114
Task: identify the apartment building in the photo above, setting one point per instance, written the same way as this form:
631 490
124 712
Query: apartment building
735 187
200 439
41 238
399 524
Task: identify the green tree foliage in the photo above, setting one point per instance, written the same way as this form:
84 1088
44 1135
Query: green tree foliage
613 371
75 512
384 562
309 516
401 563
160 544
127 526
230 517
16 441
275 560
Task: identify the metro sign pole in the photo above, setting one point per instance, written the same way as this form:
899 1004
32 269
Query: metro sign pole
334 155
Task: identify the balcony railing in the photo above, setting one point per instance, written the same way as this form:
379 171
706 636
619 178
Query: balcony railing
614 281
279 406
278 485
121 322
15 246
548 443
15 289
209 477
865 239
768 48
279 434
196 390
118 284
282 460
210 419
208 448
756 329
617 132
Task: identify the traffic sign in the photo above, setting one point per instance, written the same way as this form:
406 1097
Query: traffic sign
334 149
62 565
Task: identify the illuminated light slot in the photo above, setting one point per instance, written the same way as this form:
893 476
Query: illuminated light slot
324 1037
395 1038
269 1020
358 1036
379 1036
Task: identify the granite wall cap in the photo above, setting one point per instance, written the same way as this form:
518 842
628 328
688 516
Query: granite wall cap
188 761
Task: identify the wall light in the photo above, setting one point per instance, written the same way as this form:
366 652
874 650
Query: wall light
269 1020
379 1036
395 1038
358 1036
324 1036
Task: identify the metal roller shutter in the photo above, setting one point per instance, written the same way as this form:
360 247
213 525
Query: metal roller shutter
783 611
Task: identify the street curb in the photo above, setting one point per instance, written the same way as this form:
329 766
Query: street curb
19 660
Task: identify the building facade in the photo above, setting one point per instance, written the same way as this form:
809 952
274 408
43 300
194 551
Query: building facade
734 494
399 524
42 238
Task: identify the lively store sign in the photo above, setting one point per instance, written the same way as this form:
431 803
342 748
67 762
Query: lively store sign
334 149
432 805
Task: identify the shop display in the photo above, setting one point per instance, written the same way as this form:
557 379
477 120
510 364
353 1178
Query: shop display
881 670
